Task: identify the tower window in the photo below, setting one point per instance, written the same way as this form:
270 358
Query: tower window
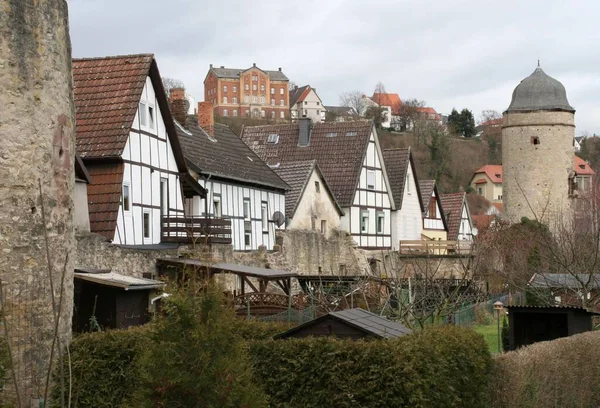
535 140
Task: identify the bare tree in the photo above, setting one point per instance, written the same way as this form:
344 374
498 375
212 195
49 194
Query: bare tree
291 85
409 115
379 88
488 115
491 128
354 100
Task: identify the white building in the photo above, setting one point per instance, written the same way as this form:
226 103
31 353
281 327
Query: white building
240 187
350 158
434 222
126 137
305 103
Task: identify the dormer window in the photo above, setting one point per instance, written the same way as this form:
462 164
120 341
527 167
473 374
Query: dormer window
497 175
273 138
351 133
331 134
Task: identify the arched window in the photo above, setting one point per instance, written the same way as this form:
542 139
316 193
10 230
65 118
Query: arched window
234 99
262 99
225 112
282 115
262 113
281 102
272 91
235 112
224 88
224 99
272 114
272 101
247 98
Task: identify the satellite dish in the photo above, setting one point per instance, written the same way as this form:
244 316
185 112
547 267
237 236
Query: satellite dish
278 218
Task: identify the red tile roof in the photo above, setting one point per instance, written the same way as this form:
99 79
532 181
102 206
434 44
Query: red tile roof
104 196
492 122
107 92
453 205
483 221
582 167
338 148
493 171
429 111
499 206
388 99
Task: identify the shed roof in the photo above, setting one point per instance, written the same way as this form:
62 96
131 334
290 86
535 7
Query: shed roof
117 280
370 323
557 308
252 271
565 280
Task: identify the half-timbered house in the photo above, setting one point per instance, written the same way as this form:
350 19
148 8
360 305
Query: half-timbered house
434 222
350 158
458 217
126 137
240 187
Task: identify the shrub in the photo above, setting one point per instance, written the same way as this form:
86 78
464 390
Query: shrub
561 373
438 367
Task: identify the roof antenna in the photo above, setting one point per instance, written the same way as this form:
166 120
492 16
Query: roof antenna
538 62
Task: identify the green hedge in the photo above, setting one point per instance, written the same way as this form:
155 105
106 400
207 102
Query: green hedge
438 367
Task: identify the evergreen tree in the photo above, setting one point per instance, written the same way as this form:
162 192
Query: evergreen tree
467 122
454 121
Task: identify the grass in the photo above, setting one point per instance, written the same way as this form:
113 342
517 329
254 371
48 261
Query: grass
490 335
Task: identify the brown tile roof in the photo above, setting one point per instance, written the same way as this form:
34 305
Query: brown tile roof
107 92
298 94
396 166
426 188
104 196
297 175
338 155
226 155
452 205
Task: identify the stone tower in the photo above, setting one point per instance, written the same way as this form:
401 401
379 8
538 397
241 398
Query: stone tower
37 149
537 151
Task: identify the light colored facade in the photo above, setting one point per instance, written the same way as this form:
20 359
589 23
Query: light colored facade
465 230
406 221
487 182
305 103
434 225
151 187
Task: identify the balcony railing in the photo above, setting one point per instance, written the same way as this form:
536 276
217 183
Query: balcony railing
197 230
435 247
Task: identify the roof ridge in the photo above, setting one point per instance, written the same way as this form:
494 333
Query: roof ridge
114 57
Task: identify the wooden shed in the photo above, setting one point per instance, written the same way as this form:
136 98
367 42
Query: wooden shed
348 324
531 324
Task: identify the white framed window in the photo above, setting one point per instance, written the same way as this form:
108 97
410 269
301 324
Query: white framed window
164 196
146 224
254 87
264 215
281 91
255 78
151 117
224 88
272 101
272 91
262 113
247 234
262 99
234 99
224 99
217 206
234 88
262 87
364 220
247 98
272 114
281 102
371 179
247 87
126 197
282 114
247 209
225 112
273 138
480 190
235 112
254 98
380 222
143 114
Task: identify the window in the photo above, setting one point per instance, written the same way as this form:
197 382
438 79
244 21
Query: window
281 102
164 196
247 209
331 134
235 112
234 100
142 110
351 133
262 87
217 206
273 138
247 87
225 112
254 98
380 222
323 226
146 224
371 179
282 115
234 88
262 113
272 91
480 190
281 91
224 88
247 233
224 99
262 99
304 114
247 98
318 103
432 212
255 78
151 117
272 102
318 112
272 114
126 197
254 87
535 140
264 215
305 102
499 197
364 220
317 187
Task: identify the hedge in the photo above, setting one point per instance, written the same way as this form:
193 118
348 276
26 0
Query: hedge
438 367
561 373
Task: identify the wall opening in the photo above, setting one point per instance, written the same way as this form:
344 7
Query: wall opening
535 140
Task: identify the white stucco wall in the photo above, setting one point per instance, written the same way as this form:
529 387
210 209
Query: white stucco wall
407 221
311 107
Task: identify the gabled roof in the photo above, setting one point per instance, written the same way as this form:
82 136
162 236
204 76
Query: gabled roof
299 94
234 73
492 122
582 168
224 155
427 188
388 99
107 92
429 111
339 110
396 165
338 155
453 205
108 278
367 322
104 196
493 171
297 176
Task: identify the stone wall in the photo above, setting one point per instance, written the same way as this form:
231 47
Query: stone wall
37 133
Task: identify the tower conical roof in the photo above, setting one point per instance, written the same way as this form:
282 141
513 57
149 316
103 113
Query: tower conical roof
539 91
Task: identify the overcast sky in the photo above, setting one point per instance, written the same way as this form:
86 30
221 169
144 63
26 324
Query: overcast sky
469 53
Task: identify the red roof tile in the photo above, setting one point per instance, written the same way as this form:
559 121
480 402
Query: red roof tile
483 221
104 197
388 99
492 122
453 205
493 171
429 111
107 92
582 167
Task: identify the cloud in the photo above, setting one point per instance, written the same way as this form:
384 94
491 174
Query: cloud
468 53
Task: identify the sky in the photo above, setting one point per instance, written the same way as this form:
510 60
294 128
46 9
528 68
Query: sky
461 53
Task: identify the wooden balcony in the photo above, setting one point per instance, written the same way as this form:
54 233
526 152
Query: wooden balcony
197 230
436 247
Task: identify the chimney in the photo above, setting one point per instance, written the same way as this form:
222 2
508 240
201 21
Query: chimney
304 134
254 64
211 66
176 94
279 69
178 105
206 117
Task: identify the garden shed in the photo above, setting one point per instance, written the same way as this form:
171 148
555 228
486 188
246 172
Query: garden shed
348 324
531 324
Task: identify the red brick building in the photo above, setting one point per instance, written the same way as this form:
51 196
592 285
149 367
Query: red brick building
250 92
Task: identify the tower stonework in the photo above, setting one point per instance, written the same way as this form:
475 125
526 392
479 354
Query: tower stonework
37 132
537 151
